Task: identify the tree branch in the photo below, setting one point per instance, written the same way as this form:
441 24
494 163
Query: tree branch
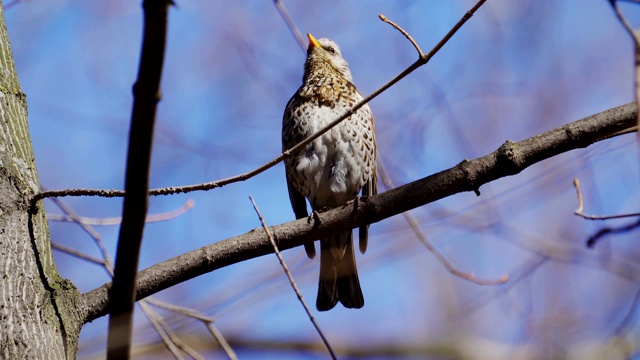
146 93
422 60
510 159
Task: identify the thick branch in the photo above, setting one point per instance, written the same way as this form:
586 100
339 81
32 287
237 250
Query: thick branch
510 159
146 92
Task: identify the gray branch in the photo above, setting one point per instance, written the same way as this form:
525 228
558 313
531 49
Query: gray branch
510 159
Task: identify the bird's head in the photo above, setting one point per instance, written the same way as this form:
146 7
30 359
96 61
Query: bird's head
325 52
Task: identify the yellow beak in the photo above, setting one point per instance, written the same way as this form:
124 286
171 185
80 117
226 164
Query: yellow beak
313 42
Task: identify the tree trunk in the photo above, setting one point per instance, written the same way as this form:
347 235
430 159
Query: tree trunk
39 313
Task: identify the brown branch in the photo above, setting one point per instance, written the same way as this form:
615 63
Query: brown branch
97 239
291 25
453 30
469 175
168 339
169 215
636 43
593 239
625 23
146 95
579 210
208 321
422 60
415 226
78 254
404 32
525 270
291 281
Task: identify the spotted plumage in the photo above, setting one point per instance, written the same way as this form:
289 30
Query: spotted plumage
334 168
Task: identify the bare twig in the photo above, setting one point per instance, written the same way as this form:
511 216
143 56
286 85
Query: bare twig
159 324
415 226
636 42
523 272
576 184
290 24
146 93
78 192
181 310
453 30
78 254
175 339
291 281
404 32
161 330
624 22
97 239
422 60
213 330
510 159
169 215
207 320
593 239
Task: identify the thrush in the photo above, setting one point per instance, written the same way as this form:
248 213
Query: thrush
334 168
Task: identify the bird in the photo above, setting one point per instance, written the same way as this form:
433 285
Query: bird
334 168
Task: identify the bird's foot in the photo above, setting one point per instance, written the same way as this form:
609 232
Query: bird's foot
359 200
315 215
356 202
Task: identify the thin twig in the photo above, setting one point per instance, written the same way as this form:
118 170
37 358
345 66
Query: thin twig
166 338
636 43
519 275
213 330
453 30
422 60
107 264
146 95
291 281
290 24
97 238
625 23
175 339
78 254
579 210
207 320
415 226
181 310
593 239
169 215
404 32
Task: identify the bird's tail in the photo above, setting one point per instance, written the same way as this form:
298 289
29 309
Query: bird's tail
338 273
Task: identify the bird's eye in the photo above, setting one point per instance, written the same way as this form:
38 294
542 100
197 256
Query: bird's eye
331 50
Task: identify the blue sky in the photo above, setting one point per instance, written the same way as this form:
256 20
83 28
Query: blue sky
517 68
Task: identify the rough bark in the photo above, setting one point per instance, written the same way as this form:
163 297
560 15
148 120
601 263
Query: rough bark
39 312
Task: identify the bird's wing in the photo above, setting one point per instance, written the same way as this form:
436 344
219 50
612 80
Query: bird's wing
298 202
369 189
